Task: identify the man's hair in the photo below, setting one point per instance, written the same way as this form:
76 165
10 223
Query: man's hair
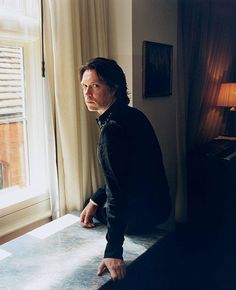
111 73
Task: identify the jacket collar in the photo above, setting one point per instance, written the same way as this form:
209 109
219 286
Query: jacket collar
106 116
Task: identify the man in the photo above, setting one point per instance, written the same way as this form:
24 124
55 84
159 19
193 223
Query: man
136 196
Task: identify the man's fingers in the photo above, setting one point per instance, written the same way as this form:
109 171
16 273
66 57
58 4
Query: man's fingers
86 216
101 268
82 218
117 274
88 219
114 274
87 225
116 267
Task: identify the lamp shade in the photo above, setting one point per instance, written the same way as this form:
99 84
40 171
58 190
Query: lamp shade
227 95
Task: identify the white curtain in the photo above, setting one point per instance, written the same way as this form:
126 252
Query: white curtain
74 32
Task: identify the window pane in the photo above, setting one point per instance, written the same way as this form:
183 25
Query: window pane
12 155
11 82
13 169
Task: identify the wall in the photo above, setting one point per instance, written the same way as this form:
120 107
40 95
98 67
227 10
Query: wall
153 20
156 20
120 36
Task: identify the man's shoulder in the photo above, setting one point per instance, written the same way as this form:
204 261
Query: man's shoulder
134 113
126 118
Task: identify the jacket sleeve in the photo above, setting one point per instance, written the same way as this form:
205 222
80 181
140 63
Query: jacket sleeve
99 197
114 161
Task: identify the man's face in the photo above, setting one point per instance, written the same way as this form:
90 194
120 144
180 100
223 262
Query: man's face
98 96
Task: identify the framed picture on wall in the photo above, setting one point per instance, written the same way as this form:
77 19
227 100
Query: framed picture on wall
157 69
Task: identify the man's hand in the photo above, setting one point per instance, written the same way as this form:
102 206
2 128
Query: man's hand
86 216
116 267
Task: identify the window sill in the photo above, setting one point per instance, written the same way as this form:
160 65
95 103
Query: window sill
71 253
25 210
15 196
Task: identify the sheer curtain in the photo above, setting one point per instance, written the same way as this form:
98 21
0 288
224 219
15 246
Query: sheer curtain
74 32
208 37
206 40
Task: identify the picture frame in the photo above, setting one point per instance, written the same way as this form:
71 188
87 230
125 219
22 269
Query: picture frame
157 69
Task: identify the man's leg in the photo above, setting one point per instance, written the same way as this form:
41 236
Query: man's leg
101 215
141 222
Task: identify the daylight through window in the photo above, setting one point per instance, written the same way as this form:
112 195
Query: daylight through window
13 157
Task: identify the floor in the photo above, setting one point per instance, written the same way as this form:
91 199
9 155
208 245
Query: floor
62 255
207 259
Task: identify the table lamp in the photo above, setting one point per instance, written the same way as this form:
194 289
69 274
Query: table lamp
227 98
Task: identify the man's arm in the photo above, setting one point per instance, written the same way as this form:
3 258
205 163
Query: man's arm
114 157
115 160
99 196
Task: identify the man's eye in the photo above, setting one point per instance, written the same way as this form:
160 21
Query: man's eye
95 85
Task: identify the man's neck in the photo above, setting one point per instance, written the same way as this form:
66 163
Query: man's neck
102 111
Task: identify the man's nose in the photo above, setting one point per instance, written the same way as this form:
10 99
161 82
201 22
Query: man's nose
87 90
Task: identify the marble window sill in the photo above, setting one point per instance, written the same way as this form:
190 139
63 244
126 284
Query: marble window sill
62 255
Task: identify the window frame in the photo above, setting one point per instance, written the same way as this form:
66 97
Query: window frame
31 204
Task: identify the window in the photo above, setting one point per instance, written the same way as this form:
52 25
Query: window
13 155
24 182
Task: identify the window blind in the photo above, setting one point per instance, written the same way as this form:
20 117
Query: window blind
11 83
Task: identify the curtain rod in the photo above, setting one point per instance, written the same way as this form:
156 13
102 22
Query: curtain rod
42 41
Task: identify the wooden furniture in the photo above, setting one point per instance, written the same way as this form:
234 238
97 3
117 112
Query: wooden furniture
212 186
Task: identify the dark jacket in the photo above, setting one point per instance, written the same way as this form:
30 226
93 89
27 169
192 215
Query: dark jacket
137 192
